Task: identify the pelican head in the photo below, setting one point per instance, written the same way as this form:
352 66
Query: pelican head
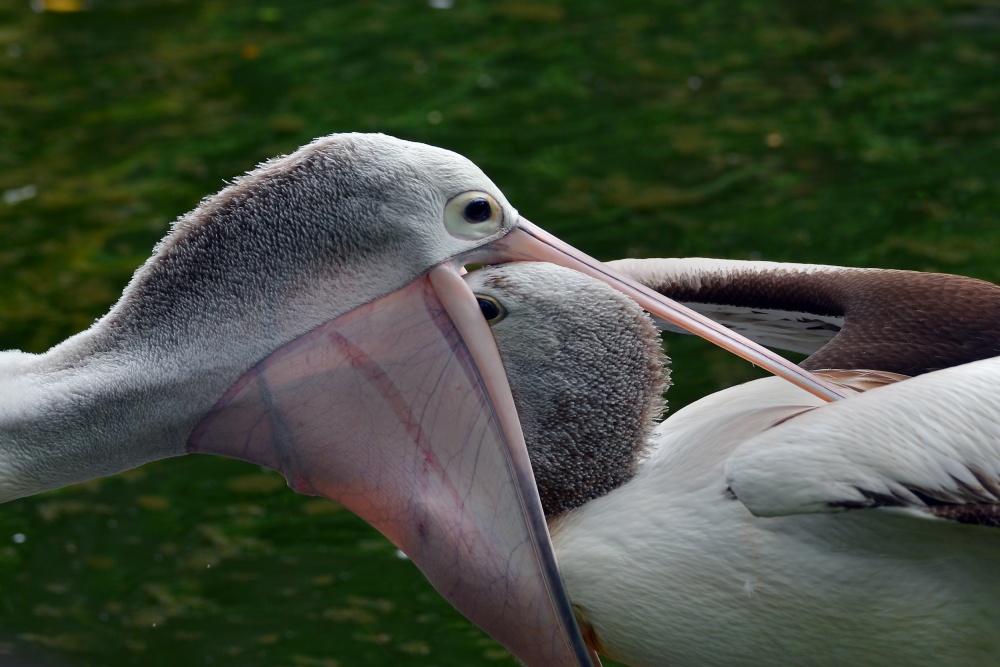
587 372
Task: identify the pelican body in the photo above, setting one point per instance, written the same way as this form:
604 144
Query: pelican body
674 568
761 525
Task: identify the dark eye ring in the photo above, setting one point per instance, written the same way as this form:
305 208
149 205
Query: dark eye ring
491 309
478 210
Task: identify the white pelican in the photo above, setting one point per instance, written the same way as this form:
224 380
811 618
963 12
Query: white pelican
759 526
311 317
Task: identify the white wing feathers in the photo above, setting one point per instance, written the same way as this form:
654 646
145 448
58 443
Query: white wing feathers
923 443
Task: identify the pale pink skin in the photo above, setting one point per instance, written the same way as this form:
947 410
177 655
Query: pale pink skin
400 410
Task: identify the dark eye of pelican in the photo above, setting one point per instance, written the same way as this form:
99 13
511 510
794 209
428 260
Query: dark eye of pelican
478 210
473 215
491 309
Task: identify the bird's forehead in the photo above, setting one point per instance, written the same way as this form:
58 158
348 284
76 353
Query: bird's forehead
405 165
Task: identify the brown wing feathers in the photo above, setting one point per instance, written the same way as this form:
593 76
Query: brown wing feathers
904 322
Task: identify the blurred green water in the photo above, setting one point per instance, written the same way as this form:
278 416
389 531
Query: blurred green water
841 132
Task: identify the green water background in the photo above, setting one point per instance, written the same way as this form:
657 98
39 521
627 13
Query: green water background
856 133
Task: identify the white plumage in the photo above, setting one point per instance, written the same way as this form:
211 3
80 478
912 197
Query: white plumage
670 569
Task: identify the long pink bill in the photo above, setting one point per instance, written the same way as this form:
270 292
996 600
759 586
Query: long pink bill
528 242
400 410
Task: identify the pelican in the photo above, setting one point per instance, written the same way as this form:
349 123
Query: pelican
311 317
760 525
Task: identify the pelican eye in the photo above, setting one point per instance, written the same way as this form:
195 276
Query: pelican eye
472 215
491 309
478 210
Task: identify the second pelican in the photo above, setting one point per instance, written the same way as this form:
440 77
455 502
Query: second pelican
757 526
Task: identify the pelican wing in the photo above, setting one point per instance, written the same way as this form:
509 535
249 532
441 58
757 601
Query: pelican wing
928 445
901 321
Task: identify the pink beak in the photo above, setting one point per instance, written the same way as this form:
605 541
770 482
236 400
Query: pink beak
529 242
